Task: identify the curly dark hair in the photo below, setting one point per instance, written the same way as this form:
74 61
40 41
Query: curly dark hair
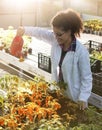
68 20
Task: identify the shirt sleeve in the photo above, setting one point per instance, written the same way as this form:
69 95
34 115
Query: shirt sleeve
40 33
86 76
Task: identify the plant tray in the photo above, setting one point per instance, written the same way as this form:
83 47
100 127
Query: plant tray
97 83
93 45
95 100
44 62
96 95
96 65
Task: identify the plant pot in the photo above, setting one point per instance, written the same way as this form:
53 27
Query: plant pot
30 51
7 50
1 47
25 53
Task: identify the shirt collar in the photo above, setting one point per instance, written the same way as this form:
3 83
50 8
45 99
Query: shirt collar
72 46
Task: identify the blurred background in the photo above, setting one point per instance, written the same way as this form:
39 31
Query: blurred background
39 12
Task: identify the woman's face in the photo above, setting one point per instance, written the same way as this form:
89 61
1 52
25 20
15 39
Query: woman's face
63 37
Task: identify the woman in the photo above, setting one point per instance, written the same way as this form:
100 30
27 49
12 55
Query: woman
70 59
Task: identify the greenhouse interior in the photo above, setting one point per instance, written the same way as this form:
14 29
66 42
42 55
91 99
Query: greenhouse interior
51 65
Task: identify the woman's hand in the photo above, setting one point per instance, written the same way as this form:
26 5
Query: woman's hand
20 31
82 105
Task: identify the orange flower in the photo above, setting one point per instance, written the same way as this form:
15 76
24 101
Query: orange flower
39 116
2 121
18 118
38 102
21 111
50 111
11 123
29 111
33 87
57 106
30 118
49 98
